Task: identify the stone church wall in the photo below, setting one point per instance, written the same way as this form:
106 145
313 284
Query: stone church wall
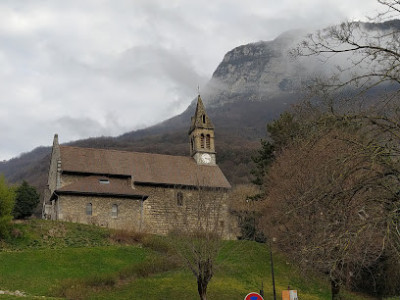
73 208
159 213
197 139
163 213
53 169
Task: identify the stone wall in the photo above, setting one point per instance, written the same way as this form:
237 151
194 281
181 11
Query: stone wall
159 213
73 208
53 169
162 213
197 140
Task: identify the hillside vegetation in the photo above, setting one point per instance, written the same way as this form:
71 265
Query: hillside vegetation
238 100
74 261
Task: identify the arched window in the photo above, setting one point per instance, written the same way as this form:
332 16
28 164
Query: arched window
179 199
114 211
208 141
89 209
204 119
192 143
202 140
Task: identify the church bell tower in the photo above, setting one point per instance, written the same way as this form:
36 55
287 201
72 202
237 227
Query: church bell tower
201 136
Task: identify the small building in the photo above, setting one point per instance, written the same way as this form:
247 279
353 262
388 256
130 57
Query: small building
139 191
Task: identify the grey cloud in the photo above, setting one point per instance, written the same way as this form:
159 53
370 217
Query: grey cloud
87 68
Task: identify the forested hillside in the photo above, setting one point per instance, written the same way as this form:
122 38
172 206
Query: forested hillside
253 84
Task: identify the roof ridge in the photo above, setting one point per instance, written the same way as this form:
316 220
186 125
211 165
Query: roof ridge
124 151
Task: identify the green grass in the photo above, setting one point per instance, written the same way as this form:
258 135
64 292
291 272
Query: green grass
242 266
39 234
39 271
83 262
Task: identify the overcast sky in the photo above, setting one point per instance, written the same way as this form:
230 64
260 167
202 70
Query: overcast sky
104 67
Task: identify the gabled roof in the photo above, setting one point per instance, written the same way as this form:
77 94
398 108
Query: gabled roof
145 168
97 185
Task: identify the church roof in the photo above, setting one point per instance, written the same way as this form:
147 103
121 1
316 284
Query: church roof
98 185
145 168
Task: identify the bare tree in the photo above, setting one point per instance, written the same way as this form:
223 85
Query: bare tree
332 193
324 207
246 204
370 51
199 240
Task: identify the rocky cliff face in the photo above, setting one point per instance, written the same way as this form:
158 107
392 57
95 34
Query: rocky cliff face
264 71
252 85
257 72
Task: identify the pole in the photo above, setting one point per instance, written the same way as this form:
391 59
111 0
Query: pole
262 289
272 269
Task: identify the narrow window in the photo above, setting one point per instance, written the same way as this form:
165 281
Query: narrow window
191 142
89 209
114 211
204 119
208 141
179 199
104 181
202 141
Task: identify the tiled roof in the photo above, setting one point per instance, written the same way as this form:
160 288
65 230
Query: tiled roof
143 167
96 161
102 186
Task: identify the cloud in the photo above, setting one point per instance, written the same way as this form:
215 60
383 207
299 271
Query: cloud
89 68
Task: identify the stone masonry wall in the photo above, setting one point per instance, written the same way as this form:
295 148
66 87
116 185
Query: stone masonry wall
160 212
52 177
163 214
197 134
73 208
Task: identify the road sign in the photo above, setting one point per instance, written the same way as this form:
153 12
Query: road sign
253 296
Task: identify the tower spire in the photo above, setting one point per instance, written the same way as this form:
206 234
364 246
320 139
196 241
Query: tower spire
200 118
201 136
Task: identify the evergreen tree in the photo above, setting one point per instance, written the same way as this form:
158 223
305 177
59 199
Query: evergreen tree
27 198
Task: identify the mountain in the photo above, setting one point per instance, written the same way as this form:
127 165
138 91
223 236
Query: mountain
252 85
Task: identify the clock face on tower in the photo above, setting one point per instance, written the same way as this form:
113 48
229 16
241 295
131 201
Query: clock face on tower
205 158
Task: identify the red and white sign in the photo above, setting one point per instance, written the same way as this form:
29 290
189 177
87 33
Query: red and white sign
253 296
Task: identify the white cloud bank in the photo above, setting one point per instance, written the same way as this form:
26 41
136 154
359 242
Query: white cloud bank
92 68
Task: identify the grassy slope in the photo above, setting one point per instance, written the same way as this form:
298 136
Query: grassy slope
38 271
242 266
48 254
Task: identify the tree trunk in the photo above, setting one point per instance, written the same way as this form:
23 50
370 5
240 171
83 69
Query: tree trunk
335 288
202 288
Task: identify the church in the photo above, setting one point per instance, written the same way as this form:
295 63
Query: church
147 192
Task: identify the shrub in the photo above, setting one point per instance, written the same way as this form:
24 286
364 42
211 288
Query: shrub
149 267
80 288
7 200
127 237
158 244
